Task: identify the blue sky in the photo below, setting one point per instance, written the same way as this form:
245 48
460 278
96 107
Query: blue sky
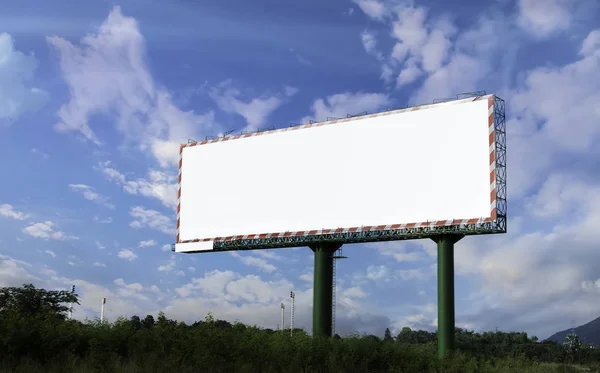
95 97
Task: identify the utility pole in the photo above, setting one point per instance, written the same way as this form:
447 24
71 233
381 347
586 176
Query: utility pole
282 317
102 311
293 296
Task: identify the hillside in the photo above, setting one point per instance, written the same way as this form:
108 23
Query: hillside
588 333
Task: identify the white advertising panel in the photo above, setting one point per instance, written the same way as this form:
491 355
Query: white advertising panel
389 170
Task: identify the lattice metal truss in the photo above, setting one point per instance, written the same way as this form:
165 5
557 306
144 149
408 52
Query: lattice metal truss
498 226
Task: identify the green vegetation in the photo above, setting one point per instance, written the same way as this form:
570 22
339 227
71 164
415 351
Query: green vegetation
35 336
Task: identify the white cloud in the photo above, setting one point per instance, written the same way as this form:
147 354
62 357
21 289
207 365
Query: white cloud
100 246
342 104
98 264
447 61
166 247
169 266
40 153
253 261
268 254
377 272
14 272
103 221
154 289
370 44
127 255
191 269
51 253
147 243
290 91
421 46
107 73
554 117
151 219
415 273
89 194
133 290
398 250
159 185
9 212
307 277
477 52
46 231
354 292
255 111
16 72
542 18
373 8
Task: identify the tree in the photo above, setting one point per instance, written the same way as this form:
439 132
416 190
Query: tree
388 335
136 322
29 301
572 345
405 336
148 322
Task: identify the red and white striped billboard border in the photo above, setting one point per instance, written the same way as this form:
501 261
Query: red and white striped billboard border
440 223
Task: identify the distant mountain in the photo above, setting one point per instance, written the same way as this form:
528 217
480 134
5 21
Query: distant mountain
588 333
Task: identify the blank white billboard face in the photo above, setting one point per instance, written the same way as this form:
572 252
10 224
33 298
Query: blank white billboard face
389 170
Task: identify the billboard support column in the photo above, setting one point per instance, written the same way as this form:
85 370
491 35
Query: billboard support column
446 320
323 288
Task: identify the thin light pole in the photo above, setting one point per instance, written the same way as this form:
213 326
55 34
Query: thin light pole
71 304
293 296
282 316
102 311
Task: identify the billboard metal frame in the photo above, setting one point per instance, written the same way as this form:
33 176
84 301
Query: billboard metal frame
377 234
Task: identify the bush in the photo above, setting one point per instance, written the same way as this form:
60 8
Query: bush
44 341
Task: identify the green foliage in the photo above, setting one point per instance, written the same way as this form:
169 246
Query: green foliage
572 344
36 337
28 301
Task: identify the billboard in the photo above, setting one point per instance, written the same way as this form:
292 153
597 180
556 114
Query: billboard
392 175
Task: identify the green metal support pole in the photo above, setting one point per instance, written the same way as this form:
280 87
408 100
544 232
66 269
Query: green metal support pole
323 288
446 321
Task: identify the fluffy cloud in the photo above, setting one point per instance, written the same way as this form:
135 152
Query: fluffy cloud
40 153
554 118
158 185
9 212
88 193
14 272
16 72
398 250
255 111
253 261
369 42
342 104
373 8
147 243
542 18
169 266
152 219
127 255
46 230
430 50
107 73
